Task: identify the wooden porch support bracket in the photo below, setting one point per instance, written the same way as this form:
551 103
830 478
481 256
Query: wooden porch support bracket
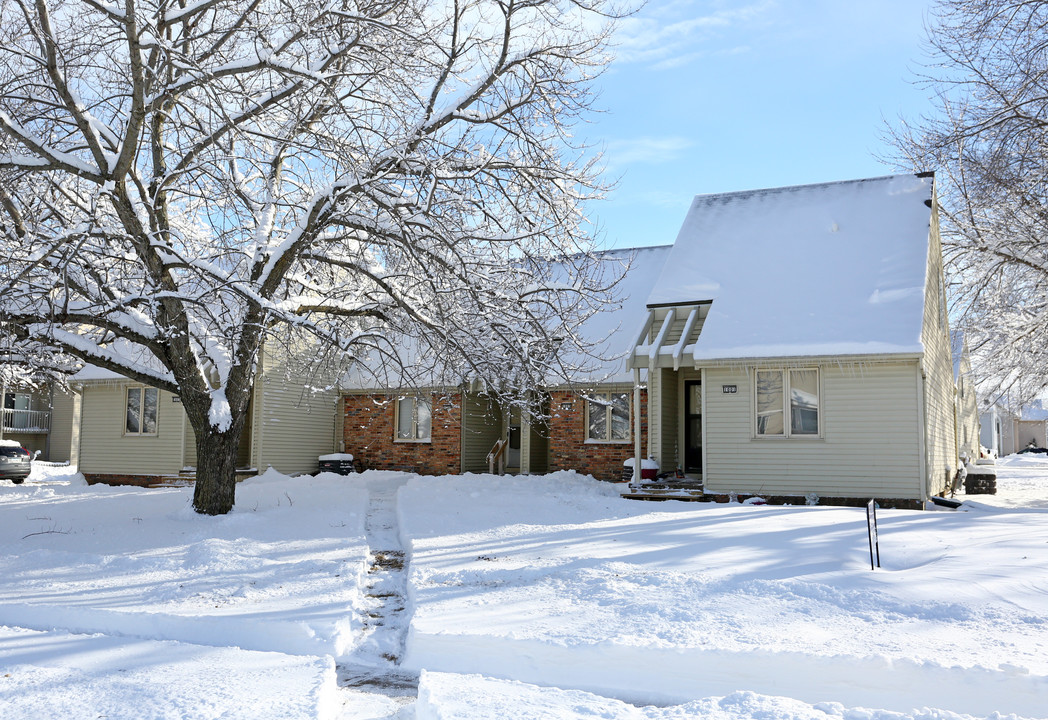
678 349
653 352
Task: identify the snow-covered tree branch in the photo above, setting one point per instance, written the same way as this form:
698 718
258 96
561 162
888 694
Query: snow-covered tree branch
988 141
182 182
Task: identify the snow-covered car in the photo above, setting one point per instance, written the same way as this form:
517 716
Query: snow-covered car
14 461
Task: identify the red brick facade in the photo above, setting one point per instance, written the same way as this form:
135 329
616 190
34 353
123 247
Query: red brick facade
369 428
568 448
370 424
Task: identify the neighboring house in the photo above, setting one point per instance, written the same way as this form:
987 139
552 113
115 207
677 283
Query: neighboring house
130 433
792 341
996 428
41 418
966 409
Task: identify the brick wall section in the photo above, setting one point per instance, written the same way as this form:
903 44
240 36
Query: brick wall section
568 448
369 428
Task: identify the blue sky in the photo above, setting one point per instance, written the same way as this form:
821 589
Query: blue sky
709 96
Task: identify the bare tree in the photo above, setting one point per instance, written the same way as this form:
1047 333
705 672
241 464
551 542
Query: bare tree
183 181
988 141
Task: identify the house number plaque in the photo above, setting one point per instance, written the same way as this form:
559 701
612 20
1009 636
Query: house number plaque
729 389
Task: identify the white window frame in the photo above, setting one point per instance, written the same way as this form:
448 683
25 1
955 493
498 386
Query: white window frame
594 399
415 438
787 418
142 391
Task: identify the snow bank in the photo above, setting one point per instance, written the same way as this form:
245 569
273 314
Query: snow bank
279 573
443 696
557 581
56 674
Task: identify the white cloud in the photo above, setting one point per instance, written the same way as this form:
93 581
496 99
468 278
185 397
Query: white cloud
668 34
650 150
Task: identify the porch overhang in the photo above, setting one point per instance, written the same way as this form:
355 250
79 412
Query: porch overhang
668 337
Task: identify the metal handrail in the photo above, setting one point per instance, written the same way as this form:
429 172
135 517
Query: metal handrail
498 453
27 420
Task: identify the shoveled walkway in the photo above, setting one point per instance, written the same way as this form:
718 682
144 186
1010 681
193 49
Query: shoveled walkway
375 685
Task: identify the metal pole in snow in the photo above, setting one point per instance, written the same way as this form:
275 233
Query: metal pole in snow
871 529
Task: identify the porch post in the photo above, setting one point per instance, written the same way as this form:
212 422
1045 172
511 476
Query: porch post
636 425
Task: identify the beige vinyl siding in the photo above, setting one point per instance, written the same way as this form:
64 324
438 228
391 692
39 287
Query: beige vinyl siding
869 445
64 408
940 438
669 451
967 412
104 448
189 450
297 425
481 429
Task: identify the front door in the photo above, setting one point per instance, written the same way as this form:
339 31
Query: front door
693 426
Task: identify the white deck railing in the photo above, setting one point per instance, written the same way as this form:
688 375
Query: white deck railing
27 421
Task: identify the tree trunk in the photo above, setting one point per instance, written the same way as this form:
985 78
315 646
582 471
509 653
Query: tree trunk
215 489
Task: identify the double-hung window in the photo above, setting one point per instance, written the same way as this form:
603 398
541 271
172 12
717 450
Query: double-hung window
414 419
608 417
141 406
787 402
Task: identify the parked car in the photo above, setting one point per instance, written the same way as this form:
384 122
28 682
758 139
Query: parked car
14 461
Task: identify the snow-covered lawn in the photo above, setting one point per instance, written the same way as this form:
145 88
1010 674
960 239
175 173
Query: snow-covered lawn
528 597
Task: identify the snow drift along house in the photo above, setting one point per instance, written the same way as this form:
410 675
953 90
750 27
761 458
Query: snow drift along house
791 341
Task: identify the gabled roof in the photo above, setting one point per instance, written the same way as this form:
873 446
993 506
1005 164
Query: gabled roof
831 269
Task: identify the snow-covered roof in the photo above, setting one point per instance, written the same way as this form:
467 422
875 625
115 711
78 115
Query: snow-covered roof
830 269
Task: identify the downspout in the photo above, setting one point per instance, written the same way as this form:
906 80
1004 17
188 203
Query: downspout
50 418
636 425
922 415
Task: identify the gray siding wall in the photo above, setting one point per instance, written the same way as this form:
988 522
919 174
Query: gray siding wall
481 429
538 459
105 449
669 451
296 425
63 413
869 445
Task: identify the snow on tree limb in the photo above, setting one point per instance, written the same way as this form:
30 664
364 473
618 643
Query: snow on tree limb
986 140
382 181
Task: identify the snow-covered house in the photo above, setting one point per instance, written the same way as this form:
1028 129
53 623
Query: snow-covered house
443 429
996 428
791 341
797 342
128 433
966 408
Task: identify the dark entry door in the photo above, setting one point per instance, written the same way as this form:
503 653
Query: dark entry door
693 426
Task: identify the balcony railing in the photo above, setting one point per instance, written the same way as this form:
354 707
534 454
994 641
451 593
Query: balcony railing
27 421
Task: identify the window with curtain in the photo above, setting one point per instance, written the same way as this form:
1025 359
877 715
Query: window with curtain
414 419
